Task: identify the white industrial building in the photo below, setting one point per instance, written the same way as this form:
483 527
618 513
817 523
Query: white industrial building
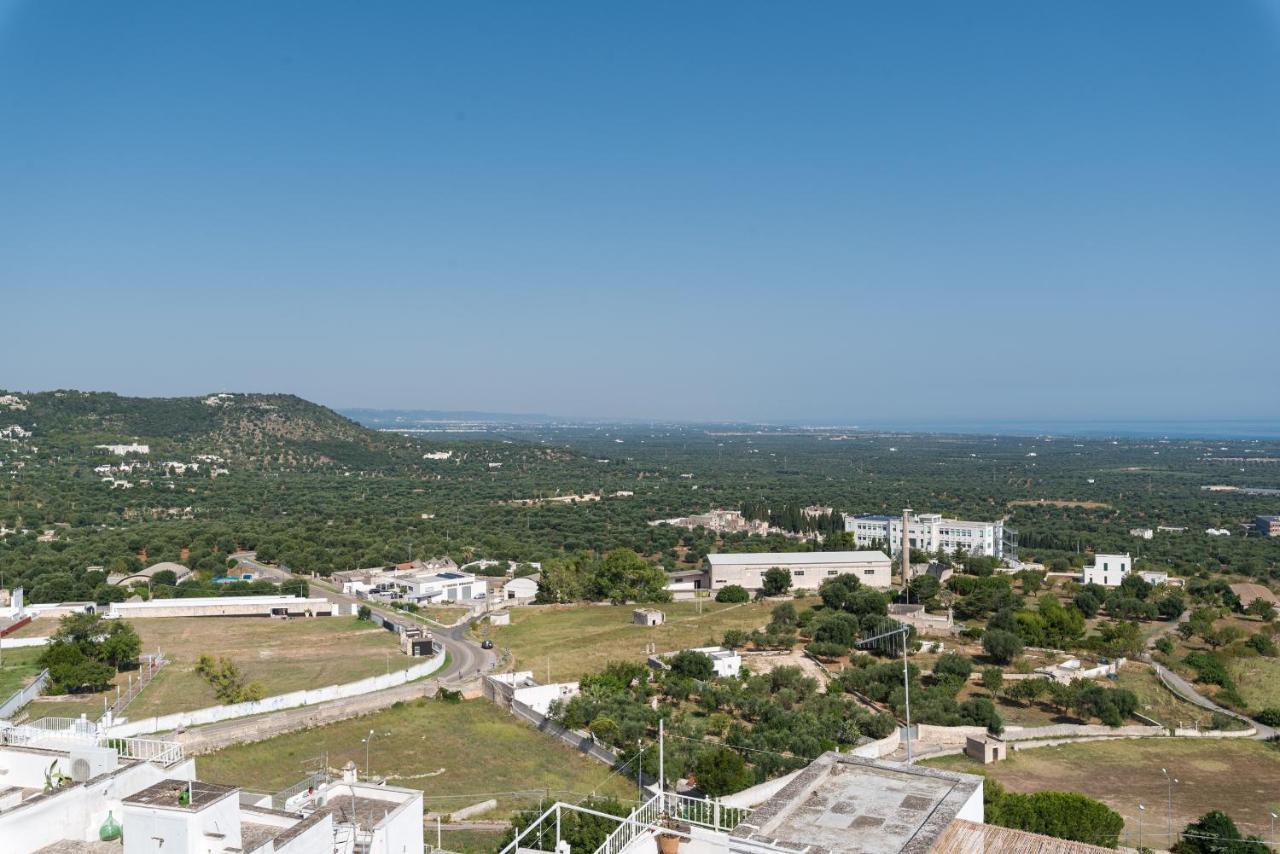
462 587
928 532
521 589
1107 570
66 787
808 569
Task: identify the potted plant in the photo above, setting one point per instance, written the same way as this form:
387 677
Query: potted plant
675 833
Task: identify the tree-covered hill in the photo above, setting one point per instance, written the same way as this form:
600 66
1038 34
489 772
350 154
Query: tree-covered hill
265 429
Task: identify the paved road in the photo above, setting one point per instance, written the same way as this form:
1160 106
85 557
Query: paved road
1187 691
466 659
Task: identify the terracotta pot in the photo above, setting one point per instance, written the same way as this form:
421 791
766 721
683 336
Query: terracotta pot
668 843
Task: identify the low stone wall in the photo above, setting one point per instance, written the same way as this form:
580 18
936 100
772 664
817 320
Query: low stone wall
954 736
1215 733
280 702
879 748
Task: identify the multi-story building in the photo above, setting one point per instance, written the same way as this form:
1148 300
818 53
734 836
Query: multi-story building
928 532
1268 526
1107 570
808 569
68 787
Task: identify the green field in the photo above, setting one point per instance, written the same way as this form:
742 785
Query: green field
1258 679
458 754
19 667
1158 702
284 655
578 639
1238 776
464 841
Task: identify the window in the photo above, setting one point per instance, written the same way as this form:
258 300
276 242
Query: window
868 572
798 573
833 572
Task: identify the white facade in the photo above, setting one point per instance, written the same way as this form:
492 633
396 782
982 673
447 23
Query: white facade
161 806
122 450
929 532
521 589
1108 570
725 662
808 569
440 587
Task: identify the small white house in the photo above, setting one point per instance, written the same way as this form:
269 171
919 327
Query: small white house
1154 576
725 662
1108 570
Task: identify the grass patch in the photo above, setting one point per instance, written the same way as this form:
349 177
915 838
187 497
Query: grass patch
465 841
1257 679
1238 776
284 655
579 639
1158 702
18 669
457 753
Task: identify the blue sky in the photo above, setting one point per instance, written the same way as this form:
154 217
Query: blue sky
791 212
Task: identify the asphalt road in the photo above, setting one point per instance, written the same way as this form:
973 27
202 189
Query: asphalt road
466 659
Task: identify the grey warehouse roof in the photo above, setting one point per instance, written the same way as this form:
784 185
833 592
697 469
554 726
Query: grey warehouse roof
787 558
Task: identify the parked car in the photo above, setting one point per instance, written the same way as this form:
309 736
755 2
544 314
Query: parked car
486 644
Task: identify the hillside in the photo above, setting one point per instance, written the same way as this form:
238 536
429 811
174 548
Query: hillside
268 429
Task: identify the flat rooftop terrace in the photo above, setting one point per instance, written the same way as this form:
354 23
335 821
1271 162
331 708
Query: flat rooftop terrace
180 794
844 804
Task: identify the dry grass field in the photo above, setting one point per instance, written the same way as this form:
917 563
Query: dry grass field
1238 776
284 655
458 754
579 639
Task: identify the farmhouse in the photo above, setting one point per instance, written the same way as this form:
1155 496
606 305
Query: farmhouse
1107 570
808 569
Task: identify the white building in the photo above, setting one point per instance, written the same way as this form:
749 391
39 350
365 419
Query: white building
725 662
1143 533
66 784
1107 570
440 587
123 450
928 532
522 589
808 569
1154 577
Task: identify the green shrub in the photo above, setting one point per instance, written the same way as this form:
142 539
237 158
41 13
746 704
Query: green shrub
733 593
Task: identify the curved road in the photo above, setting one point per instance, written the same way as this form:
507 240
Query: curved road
467 660
1186 690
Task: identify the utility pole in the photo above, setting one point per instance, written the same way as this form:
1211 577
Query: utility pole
905 632
662 766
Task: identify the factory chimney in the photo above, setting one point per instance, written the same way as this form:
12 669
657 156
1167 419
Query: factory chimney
906 546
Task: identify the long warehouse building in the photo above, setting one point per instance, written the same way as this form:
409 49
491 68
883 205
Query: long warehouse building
808 569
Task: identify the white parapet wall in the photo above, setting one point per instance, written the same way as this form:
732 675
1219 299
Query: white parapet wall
293 700
224 606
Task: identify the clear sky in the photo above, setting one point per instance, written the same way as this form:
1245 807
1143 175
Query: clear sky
847 211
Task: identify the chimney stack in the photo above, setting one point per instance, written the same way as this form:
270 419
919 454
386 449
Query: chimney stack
906 545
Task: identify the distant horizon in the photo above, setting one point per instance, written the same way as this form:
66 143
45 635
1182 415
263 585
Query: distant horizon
721 211
1237 428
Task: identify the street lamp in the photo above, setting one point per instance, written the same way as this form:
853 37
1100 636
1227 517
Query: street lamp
1141 811
366 741
1169 815
1273 829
